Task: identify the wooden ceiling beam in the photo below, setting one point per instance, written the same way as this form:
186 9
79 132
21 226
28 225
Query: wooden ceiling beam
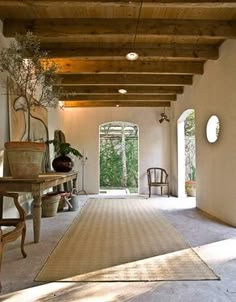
70 65
125 79
49 4
114 89
119 97
68 104
72 28
162 51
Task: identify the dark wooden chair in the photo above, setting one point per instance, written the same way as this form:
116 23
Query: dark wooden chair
157 177
18 224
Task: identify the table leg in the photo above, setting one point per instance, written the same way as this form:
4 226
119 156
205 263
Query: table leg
37 212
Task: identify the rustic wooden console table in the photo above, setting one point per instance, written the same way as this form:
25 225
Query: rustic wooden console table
36 186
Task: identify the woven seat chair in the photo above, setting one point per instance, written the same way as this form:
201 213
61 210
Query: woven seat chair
18 224
157 177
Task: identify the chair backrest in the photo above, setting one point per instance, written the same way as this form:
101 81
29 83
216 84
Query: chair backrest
157 175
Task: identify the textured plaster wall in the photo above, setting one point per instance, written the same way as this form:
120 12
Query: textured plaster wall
212 93
81 126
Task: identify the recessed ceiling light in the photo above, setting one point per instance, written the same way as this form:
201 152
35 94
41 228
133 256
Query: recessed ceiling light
122 91
132 56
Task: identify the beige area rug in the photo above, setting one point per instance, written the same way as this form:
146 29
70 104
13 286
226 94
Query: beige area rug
123 240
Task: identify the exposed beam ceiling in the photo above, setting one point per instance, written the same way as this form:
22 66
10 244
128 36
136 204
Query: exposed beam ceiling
146 51
126 79
118 97
75 66
76 103
106 90
59 29
90 39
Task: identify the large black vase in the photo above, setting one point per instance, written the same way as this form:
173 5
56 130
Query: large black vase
62 164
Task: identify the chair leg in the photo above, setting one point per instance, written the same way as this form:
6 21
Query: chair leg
23 241
161 190
168 190
149 188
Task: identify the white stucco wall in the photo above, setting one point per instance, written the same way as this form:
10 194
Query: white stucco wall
213 93
4 132
4 129
81 127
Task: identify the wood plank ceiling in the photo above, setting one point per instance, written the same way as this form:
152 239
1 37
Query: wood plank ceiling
89 41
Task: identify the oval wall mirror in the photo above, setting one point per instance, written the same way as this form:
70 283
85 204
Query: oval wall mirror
213 129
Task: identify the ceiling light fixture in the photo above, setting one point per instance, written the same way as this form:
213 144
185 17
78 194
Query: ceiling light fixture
61 105
122 91
132 56
163 117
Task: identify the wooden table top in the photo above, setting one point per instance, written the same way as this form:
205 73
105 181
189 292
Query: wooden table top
44 177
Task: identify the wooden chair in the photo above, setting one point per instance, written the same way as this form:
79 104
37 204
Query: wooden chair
18 224
157 177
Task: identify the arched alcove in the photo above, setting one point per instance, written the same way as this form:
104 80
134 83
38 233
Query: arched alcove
182 177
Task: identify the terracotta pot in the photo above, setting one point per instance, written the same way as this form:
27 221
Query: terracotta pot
190 188
25 158
62 164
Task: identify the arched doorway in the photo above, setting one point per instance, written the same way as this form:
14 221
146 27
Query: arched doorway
186 154
118 154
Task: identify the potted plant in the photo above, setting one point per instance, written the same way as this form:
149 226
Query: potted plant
62 162
33 76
